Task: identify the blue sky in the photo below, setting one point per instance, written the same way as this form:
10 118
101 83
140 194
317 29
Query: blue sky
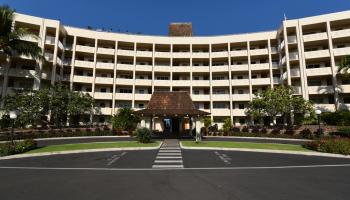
209 17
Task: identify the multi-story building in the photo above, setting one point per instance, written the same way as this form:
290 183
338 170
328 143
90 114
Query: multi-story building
221 73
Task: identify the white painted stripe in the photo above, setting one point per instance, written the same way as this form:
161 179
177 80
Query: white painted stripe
150 169
169 151
167 166
169 157
177 148
168 161
169 154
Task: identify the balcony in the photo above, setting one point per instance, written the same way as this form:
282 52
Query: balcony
239 112
317 54
104 111
107 51
48 57
103 65
59 61
341 51
239 82
124 81
60 45
315 36
200 97
200 69
261 81
147 82
325 107
124 52
282 61
292 39
103 95
204 83
344 88
183 83
220 82
275 65
200 54
162 82
181 54
319 71
341 33
220 112
162 68
322 89
142 97
87 49
125 67
274 50
30 38
181 68
162 54
239 68
83 63
295 72
238 53
293 56
144 68
144 53
281 46
22 73
219 54
67 62
123 96
276 80
50 40
220 68
221 97
240 97
255 52
103 80
260 66
83 79
297 89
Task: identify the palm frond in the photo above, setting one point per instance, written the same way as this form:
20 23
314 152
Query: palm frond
6 19
22 47
344 66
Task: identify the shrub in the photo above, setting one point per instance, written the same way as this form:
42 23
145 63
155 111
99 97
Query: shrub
236 130
276 131
143 135
338 145
19 147
342 132
340 118
306 133
255 130
245 129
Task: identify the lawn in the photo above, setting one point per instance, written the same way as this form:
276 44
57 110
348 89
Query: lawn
247 145
95 145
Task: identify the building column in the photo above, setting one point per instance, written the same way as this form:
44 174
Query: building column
286 50
54 61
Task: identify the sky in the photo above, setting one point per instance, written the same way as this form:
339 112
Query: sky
152 17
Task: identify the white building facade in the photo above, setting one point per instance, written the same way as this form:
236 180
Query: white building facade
221 73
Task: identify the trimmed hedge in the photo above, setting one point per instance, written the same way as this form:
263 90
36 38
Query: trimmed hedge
338 145
339 118
19 147
342 132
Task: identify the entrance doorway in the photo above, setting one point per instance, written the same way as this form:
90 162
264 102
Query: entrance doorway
171 127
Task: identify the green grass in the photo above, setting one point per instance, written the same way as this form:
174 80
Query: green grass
248 145
95 145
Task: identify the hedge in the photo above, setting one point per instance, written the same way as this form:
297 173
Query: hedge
337 145
19 147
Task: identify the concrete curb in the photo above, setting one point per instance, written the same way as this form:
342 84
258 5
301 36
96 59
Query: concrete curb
79 151
72 138
260 138
268 151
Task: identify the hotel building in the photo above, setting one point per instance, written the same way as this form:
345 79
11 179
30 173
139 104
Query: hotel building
221 73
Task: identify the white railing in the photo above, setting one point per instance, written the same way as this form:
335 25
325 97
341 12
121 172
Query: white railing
315 36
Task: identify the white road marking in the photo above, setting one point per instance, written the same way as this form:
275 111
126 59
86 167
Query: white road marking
114 158
150 169
169 155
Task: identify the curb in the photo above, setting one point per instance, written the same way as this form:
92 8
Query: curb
79 151
268 151
72 138
260 138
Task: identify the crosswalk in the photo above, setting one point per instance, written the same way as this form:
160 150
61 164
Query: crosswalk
169 155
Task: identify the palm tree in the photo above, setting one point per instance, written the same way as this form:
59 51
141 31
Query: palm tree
11 43
344 66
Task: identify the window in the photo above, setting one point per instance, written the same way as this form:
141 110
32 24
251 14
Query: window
239 77
88 89
219 105
196 92
123 90
103 90
240 91
142 91
89 74
239 63
218 78
102 105
103 75
240 106
254 76
314 82
141 77
141 105
310 66
253 62
254 91
219 91
241 120
196 78
341 46
346 99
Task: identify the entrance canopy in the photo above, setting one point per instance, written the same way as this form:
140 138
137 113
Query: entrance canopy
178 104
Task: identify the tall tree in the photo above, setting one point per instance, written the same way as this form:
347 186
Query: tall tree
11 39
125 120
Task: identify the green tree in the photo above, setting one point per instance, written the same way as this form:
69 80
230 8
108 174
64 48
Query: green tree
11 39
207 121
344 66
279 101
227 126
125 119
78 105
